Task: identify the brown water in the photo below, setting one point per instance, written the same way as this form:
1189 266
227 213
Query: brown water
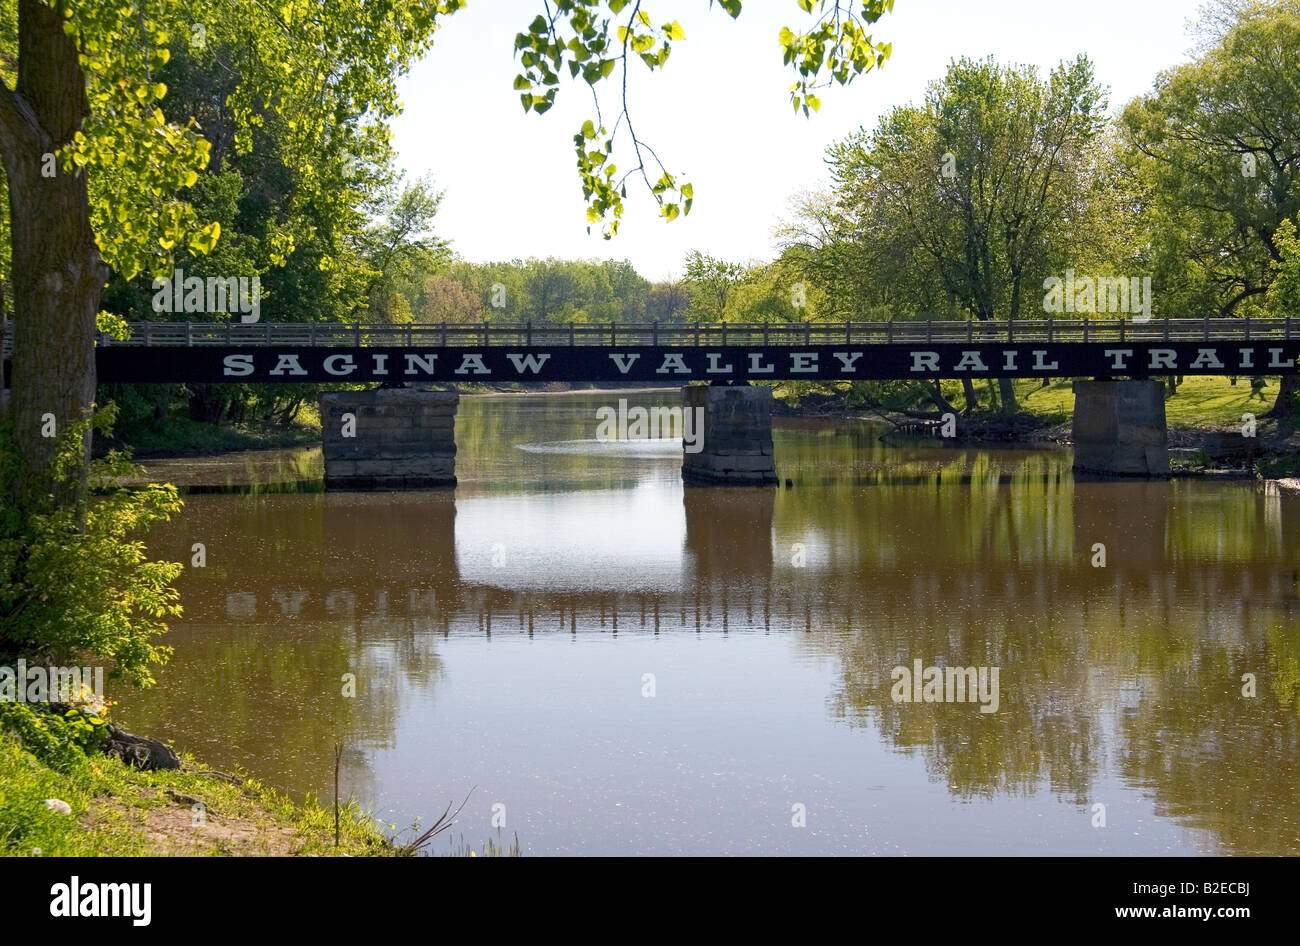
501 639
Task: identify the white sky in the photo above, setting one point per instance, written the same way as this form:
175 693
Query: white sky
719 114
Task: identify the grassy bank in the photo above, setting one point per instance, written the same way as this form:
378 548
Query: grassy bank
1200 402
118 810
113 809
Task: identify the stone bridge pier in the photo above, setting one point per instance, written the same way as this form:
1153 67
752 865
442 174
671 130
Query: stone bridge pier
389 439
736 446
1119 428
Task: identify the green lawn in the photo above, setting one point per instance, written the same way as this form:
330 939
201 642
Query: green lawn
118 810
1200 401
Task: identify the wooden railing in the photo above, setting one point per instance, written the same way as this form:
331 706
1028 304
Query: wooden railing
695 334
702 334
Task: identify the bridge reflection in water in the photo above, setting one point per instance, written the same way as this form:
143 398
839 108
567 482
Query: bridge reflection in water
718 563
1132 670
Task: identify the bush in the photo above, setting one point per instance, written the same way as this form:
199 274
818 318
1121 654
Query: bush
61 742
75 580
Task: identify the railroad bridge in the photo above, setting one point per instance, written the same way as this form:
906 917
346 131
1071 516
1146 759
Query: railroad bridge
399 436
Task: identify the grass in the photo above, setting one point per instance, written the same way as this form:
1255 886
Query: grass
118 810
1207 402
58 799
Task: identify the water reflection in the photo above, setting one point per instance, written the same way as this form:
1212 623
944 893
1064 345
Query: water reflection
502 638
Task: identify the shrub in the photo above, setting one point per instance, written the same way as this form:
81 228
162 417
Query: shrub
61 742
75 579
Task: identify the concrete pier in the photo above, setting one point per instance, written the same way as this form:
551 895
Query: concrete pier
737 442
1119 428
394 439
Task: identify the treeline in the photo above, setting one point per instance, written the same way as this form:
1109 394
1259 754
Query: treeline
536 290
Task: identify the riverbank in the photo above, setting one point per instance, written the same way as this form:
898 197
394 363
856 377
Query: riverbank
1207 422
181 437
58 801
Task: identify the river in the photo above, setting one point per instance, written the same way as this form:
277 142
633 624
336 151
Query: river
616 665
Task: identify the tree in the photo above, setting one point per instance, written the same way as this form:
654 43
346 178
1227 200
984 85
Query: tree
710 282
667 301
401 243
1284 293
81 94
981 191
1220 160
95 168
443 299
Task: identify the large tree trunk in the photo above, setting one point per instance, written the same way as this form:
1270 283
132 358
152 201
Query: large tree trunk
58 275
4 334
207 404
972 399
1284 407
935 392
1007 394
1007 386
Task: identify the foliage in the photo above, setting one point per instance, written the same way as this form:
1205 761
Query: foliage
1284 293
400 244
59 741
533 290
75 580
1217 152
580 37
710 282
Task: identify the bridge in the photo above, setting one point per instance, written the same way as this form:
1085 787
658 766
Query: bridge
399 437
206 352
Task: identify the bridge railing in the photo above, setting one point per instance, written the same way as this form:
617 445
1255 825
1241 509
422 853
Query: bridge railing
696 334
